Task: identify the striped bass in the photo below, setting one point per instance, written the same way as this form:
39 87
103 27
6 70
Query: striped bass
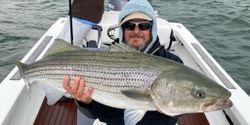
128 80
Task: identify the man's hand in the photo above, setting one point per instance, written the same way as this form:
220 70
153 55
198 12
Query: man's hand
76 89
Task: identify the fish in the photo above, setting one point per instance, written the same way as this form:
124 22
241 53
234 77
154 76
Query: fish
126 79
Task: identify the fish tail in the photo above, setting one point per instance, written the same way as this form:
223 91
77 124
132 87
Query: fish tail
21 66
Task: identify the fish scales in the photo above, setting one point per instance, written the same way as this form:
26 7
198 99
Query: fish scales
97 71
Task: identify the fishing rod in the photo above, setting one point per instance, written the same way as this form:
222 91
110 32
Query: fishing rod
70 23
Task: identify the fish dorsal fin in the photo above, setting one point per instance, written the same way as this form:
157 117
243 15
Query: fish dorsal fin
121 47
143 95
59 46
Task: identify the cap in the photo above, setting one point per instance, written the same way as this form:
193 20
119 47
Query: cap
136 15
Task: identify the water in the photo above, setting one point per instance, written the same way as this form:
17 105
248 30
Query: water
222 26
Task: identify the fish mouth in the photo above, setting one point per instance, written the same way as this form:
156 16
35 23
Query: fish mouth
214 105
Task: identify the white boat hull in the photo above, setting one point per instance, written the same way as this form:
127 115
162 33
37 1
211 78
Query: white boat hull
20 105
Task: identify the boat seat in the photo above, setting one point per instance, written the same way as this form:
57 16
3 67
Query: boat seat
165 32
95 39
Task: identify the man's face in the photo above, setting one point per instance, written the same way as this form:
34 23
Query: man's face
137 33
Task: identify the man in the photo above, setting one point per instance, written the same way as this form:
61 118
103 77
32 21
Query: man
137 29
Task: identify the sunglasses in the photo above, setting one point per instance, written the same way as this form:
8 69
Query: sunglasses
143 25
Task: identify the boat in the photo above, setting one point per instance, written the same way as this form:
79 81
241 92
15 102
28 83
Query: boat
21 105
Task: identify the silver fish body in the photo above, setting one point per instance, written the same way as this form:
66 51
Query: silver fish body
129 80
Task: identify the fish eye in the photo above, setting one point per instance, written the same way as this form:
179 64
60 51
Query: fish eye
198 94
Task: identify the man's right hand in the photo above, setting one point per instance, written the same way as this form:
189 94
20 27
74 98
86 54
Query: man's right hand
76 89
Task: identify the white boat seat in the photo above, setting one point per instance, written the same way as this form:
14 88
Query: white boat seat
164 32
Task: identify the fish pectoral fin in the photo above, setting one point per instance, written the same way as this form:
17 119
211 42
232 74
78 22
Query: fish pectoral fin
137 95
133 116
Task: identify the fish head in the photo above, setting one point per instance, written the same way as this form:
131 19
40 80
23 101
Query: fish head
178 92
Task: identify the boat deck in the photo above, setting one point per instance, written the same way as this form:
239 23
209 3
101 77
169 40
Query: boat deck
64 113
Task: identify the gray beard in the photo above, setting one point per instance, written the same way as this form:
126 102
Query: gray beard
141 48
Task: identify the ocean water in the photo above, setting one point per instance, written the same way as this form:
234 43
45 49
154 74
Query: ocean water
222 27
